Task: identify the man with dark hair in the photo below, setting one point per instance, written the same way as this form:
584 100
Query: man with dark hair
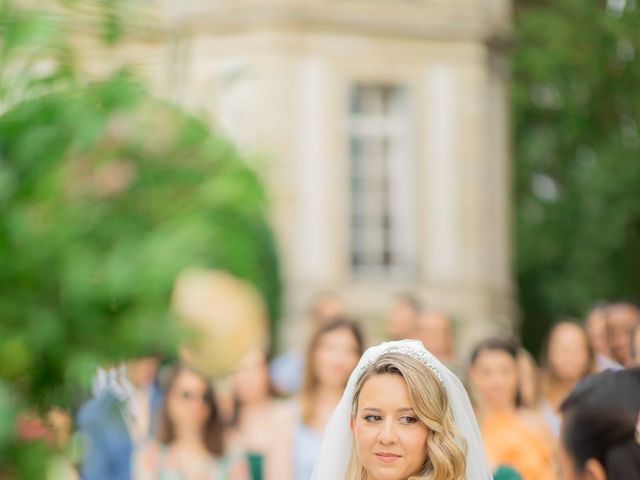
600 436
622 319
596 326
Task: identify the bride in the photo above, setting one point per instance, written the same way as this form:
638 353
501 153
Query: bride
402 416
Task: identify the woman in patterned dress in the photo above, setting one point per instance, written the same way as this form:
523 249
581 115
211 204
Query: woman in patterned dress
189 444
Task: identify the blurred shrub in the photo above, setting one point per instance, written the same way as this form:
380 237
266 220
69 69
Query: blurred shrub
105 196
576 102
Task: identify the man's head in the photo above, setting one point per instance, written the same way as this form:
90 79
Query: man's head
404 317
326 307
436 333
142 371
622 319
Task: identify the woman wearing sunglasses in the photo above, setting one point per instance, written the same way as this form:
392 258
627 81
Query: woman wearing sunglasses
189 443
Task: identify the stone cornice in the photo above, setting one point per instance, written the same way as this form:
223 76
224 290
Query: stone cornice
461 20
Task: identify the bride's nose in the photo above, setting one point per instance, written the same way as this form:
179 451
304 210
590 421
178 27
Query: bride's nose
387 435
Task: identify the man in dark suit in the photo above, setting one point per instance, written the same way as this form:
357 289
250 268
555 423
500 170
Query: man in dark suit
119 417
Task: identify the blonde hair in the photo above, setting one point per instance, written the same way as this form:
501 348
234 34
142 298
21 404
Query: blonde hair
445 448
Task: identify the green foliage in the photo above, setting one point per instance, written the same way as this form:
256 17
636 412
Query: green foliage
108 196
105 196
35 54
576 104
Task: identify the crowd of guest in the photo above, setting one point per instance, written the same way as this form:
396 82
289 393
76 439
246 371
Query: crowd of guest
147 420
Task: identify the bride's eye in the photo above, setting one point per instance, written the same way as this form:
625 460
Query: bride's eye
372 418
408 419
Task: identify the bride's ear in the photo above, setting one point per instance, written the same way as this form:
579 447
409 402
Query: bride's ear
351 422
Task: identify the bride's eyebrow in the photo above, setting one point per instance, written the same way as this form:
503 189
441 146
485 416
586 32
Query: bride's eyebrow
377 410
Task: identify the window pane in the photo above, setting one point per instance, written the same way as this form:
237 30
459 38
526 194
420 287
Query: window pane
378 118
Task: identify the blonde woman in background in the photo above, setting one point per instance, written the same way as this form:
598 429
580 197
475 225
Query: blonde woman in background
332 354
567 358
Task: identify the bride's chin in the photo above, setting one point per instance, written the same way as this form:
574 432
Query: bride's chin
385 472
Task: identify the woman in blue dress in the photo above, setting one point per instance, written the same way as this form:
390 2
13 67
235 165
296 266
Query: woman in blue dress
333 353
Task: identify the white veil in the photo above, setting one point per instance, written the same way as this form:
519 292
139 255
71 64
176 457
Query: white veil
335 451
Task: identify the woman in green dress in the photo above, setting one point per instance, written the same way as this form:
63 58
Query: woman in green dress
260 424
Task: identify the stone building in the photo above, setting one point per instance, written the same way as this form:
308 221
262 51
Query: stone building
382 129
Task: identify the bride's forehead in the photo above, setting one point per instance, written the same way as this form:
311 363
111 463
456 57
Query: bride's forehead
384 388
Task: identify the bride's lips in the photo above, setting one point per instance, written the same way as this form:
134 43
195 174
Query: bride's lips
386 456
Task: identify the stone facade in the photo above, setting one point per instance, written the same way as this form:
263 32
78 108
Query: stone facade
281 77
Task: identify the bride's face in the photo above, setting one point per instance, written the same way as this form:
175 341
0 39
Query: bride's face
390 440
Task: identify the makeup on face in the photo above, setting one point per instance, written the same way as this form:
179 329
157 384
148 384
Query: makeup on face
389 437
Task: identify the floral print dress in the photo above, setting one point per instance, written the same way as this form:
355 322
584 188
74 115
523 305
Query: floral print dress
156 462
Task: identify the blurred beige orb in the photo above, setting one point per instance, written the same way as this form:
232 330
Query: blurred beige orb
227 316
